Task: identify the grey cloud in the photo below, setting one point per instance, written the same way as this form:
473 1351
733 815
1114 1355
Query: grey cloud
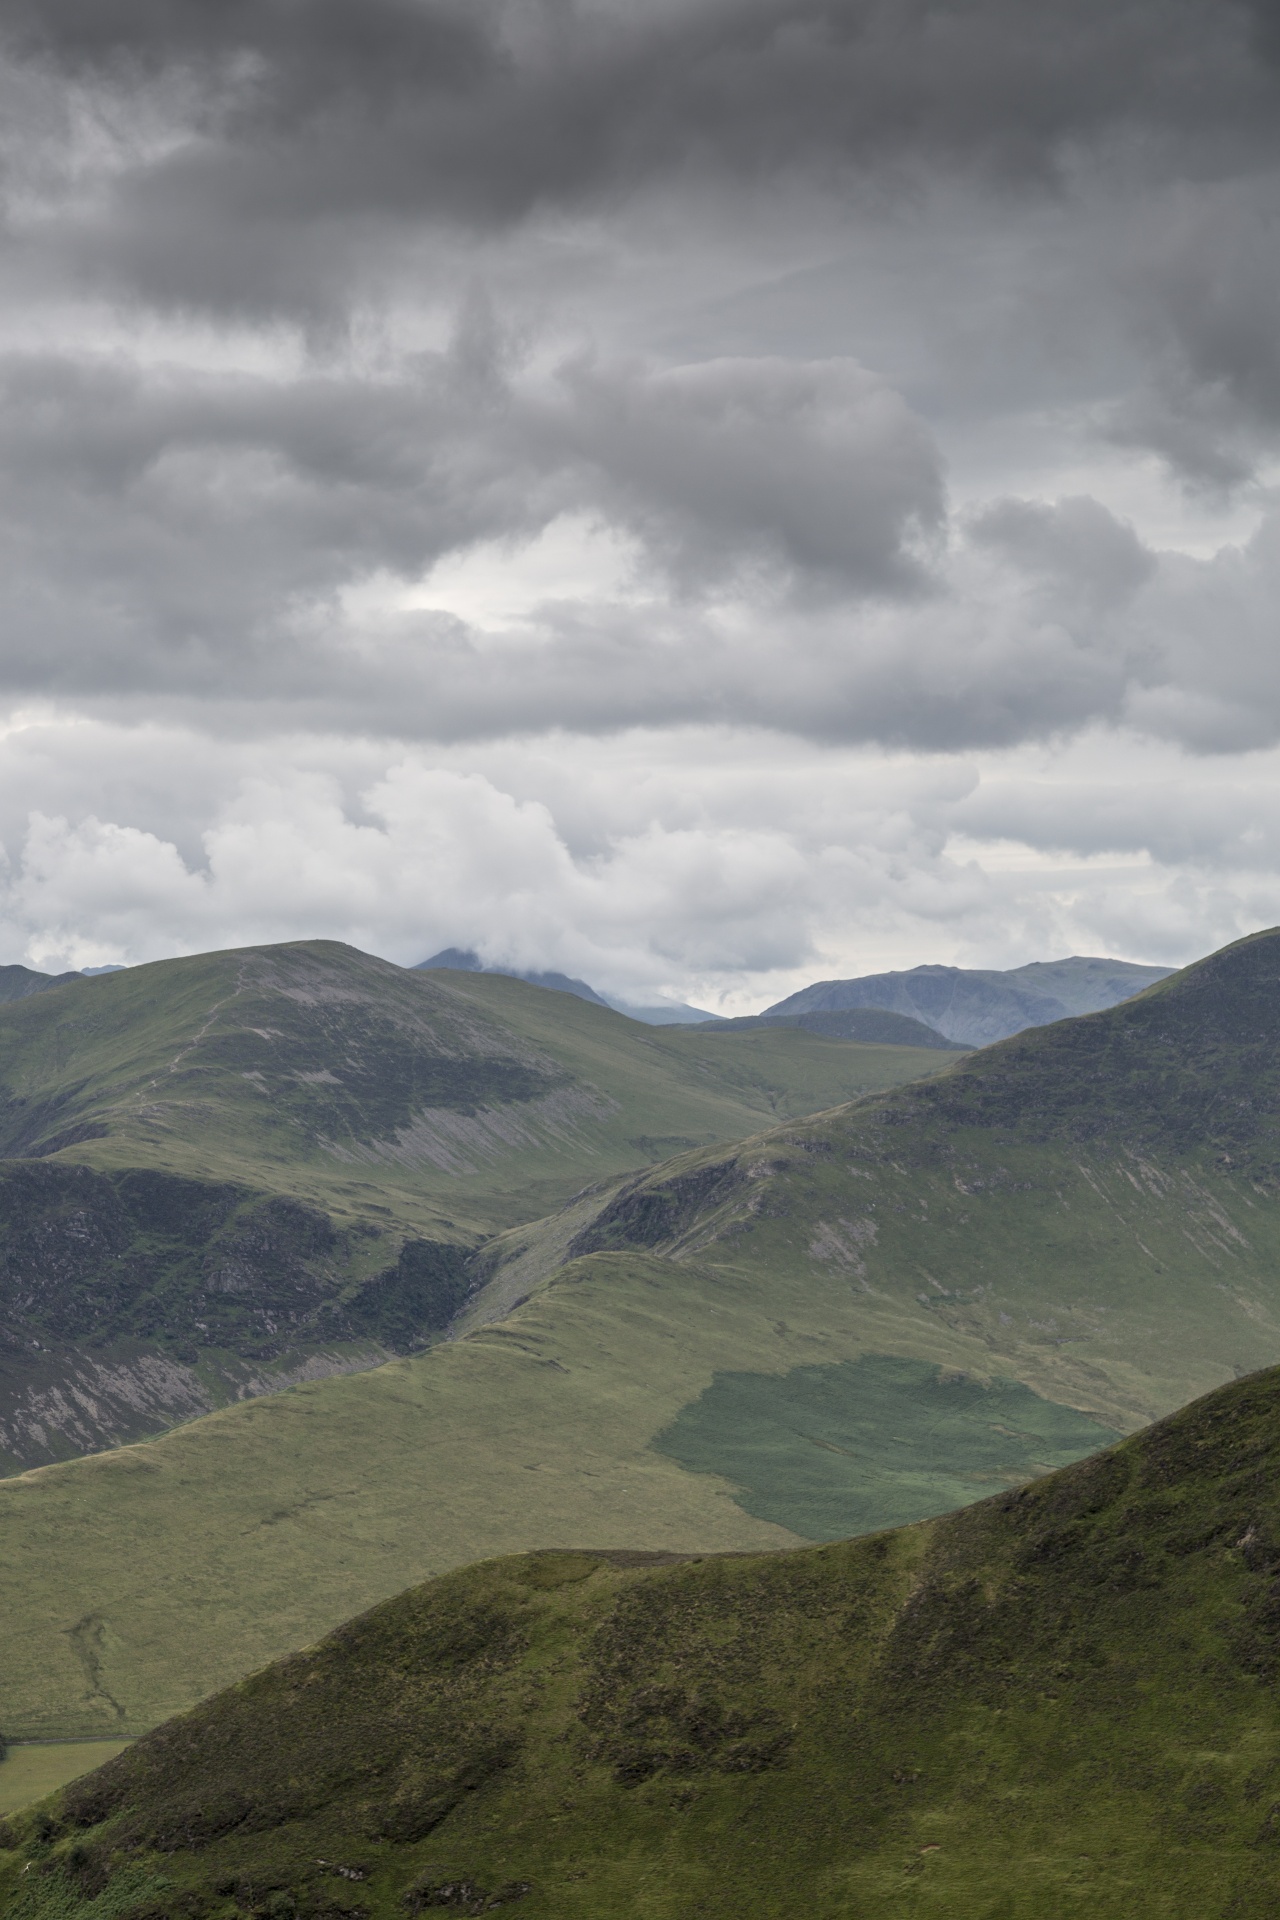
1086 556
164 525
163 532
1178 820
1102 633
1200 278
168 538
307 157
818 466
295 130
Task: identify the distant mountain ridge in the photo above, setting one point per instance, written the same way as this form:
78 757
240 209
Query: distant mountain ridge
976 1006
870 1024
671 1014
17 983
464 960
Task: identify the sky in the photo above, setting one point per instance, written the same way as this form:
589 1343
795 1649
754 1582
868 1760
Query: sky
705 495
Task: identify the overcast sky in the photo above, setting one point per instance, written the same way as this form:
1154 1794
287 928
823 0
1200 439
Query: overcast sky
706 494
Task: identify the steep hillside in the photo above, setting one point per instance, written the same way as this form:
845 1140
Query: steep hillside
1062 1701
975 1006
229 1173
844 1322
1088 1201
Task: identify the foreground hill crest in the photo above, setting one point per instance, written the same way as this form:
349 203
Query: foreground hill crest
1064 1695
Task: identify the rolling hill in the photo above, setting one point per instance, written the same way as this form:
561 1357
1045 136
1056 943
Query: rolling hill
224 1174
975 1006
1060 1701
845 1322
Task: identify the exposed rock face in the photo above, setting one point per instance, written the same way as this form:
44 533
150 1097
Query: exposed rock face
80 1401
131 1301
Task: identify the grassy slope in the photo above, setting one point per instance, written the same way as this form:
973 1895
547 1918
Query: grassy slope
1061 1701
299 1069
1118 1271
1094 1204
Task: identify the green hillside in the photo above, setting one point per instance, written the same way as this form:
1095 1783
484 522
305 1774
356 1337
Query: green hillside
228 1173
1092 1205
330 1075
727 1352
17 982
1061 1701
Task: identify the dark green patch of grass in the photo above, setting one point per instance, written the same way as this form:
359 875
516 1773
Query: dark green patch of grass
875 1442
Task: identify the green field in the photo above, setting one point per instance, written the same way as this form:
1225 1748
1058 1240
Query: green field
1061 1701
1058 1214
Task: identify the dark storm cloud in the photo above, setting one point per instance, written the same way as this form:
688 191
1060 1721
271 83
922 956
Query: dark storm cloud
171 536
169 539
295 130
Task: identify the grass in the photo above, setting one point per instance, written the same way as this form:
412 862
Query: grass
877 1442
1118 1275
31 1773
1059 1701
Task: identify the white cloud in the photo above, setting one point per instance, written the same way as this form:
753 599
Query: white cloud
720 866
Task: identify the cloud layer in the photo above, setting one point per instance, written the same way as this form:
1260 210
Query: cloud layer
403 403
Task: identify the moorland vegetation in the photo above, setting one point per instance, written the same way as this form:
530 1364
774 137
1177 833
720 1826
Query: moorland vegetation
1061 1700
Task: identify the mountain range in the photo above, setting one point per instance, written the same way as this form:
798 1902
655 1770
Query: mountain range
974 1006
967 1006
844 1322
225 1174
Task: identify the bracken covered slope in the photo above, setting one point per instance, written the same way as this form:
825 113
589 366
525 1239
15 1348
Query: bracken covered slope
1062 1701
